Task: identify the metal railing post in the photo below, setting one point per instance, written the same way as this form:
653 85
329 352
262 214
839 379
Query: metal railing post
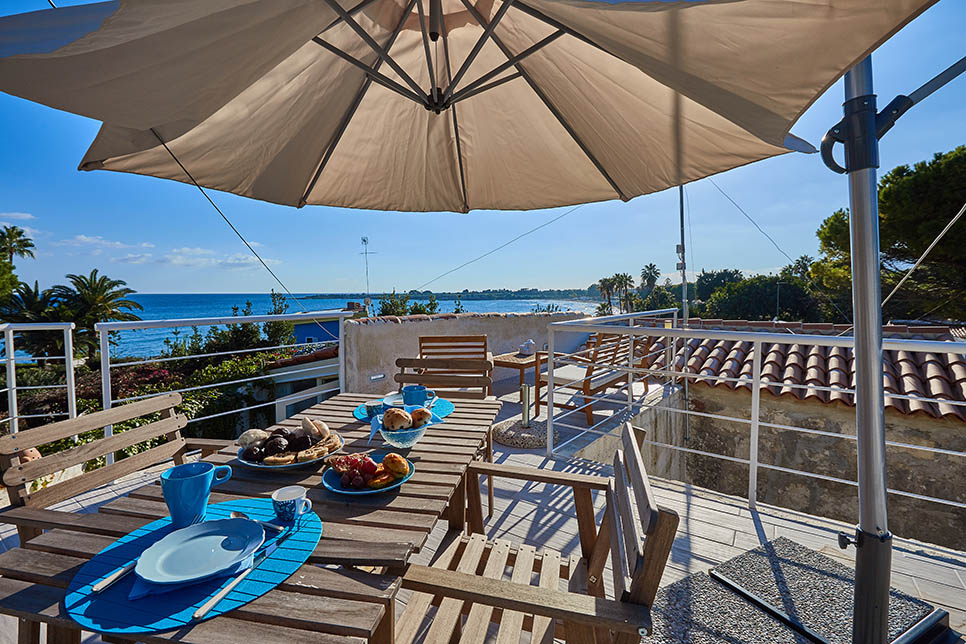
755 406
11 379
69 371
106 383
630 374
550 396
342 351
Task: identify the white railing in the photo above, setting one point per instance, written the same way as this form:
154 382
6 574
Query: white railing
670 377
319 372
10 331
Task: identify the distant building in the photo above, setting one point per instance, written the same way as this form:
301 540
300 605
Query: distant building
323 331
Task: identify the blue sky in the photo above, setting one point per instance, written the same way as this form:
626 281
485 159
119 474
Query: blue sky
162 237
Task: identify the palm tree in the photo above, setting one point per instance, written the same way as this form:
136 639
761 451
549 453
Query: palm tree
650 275
606 286
95 298
623 283
28 304
14 241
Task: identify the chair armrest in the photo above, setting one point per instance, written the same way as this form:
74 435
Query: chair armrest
538 475
617 616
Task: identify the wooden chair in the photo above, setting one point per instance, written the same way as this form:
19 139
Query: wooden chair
592 375
455 366
460 365
18 476
635 534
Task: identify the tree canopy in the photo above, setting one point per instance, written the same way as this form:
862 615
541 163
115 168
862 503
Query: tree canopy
915 204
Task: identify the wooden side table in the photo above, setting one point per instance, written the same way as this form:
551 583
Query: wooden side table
520 362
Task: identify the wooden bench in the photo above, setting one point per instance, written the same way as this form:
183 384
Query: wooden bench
469 574
19 475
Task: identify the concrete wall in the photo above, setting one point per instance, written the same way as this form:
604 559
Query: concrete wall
373 344
909 470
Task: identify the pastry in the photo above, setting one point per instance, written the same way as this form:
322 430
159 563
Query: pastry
395 464
317 451
285 458
381 479
321 429
395 419
300 441
275 445
251 436
421 416
255 452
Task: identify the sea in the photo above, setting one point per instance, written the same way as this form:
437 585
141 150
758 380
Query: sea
168 306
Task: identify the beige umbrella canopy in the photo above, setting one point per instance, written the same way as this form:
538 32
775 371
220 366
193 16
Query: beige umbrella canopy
532 103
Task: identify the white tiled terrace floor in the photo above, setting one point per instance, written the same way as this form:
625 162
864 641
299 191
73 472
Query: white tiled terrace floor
713 529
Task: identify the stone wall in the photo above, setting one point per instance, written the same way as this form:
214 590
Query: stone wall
909 470
373 344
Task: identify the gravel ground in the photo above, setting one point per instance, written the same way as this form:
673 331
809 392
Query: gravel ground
699 610
813 588
510 433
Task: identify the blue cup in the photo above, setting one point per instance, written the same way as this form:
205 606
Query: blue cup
290 502
186 489
417 395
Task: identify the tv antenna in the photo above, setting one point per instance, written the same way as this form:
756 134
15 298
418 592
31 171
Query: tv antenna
366 252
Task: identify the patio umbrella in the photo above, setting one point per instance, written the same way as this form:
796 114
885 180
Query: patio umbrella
425 105
526 104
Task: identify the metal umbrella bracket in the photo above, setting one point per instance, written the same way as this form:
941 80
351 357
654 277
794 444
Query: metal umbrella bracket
860 132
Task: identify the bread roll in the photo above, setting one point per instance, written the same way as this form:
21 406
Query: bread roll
396 464
395 419
421 416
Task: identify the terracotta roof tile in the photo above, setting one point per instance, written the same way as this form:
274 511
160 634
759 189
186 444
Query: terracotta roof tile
939 376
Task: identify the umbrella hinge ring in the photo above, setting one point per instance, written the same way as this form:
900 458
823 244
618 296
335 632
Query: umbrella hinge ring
438 104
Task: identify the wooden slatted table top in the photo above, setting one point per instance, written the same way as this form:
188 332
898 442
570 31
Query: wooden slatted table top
314 604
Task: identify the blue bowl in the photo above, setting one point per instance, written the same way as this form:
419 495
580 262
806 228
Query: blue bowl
404 438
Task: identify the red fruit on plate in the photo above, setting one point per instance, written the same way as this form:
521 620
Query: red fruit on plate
368 467
358 482
346 480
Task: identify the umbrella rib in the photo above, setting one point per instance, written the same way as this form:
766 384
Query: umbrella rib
469 93
337 135
353 11
429 57
550 106
532 49
385 57
371 72
456 125
487 33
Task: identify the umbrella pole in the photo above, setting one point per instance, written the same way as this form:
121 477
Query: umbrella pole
873 541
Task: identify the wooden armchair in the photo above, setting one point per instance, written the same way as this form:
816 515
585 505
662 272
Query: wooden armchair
635 534
28 514
592 375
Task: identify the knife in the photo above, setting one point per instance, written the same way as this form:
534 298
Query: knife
115 576
221 594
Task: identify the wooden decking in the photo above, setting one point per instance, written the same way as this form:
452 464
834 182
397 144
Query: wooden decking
713 528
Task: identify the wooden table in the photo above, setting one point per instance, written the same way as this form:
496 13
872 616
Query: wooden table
319 605
515 360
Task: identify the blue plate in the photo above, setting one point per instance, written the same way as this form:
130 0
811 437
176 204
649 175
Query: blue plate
332 480
199 551
292 466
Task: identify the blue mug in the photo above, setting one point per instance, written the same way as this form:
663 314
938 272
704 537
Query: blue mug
290 502
186 489
417 395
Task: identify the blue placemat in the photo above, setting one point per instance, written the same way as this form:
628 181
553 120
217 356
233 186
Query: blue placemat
112 611
442 408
